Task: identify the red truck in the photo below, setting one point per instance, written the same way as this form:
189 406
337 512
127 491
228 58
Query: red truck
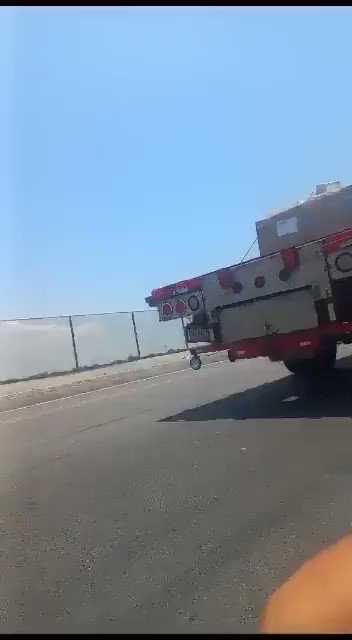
293 303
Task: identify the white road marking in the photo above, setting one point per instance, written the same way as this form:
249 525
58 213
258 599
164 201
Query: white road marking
83 393
83 402
290 399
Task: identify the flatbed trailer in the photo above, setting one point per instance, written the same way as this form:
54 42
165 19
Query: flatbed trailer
293 305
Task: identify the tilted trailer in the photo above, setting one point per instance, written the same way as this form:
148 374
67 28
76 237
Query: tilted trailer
291 304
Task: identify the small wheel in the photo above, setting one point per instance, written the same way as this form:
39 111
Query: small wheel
195 363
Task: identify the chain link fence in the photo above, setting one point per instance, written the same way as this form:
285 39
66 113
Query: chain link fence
37 347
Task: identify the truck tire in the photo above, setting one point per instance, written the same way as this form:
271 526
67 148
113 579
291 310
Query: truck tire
324 360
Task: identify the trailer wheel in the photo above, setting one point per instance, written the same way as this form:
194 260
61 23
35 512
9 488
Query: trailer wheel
324 360
195 363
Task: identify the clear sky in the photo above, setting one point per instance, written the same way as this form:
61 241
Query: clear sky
139 146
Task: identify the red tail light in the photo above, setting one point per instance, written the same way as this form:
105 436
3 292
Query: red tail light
166 309
180 306
225 279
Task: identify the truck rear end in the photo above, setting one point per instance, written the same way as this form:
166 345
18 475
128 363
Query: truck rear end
293 305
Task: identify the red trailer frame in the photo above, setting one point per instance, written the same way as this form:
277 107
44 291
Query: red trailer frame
277 347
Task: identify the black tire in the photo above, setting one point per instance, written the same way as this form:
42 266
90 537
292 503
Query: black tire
323 361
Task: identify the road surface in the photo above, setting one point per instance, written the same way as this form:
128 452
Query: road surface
173 504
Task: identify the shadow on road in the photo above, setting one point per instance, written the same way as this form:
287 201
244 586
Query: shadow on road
326 396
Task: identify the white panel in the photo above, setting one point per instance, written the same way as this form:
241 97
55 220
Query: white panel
284 227
288 312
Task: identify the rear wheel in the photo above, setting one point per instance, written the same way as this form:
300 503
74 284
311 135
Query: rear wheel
323 360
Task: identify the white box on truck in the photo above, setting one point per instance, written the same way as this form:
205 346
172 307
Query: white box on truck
317 217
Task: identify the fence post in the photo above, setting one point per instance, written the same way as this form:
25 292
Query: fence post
184 332
73 341
136 335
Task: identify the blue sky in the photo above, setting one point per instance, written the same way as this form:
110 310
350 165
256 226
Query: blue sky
139 146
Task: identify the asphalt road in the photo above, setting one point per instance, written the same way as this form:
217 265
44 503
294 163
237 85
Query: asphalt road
173 504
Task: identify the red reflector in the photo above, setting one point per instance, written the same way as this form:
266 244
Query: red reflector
172 289
290 258
225 279
163 292
333 243
180 306
188 285
166 309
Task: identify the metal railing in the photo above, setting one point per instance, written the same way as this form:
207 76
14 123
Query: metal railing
37 347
